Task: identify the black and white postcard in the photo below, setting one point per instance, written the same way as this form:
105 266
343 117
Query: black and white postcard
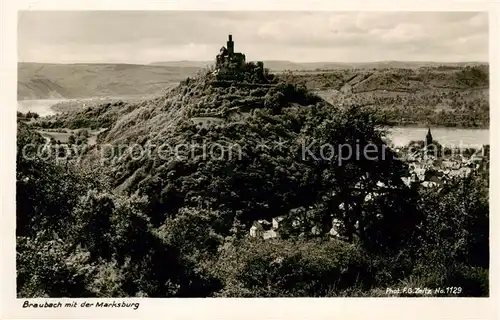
327 154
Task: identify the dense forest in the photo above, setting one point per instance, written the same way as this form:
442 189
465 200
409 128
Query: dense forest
111 224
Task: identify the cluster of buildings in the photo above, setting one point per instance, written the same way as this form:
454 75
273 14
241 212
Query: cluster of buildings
431 172
427 169
433 166
265 229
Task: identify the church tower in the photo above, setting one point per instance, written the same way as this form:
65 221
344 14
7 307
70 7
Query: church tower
428 138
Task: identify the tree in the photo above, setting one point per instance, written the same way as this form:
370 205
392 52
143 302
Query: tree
454 247
352 184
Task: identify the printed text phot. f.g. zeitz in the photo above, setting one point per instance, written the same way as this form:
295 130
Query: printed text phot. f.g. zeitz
241 154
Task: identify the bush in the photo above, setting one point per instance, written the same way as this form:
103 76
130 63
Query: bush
278 268
51 268
471 281
454 249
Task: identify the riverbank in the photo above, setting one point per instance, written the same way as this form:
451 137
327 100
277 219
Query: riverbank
50 107
444 125
457 137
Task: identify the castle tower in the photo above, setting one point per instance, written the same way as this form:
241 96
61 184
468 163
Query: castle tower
428 137
230 45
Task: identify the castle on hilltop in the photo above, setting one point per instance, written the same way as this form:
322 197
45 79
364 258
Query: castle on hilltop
232 66
228 58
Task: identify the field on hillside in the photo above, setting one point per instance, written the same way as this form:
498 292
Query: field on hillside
435 96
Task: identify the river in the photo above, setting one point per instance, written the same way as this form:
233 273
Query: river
42 107
399 136
444 135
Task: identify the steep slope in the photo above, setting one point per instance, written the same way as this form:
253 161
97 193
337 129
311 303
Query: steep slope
248 150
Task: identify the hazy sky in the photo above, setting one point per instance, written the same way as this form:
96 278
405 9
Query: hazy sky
147 36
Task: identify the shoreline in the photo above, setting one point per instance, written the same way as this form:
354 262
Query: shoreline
424 126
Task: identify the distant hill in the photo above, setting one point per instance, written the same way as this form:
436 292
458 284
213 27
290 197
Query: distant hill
69 81
399 79
59 81
183 63
274 65
438 96
282 65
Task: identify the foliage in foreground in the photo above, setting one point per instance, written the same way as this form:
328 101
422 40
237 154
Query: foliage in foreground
104 245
